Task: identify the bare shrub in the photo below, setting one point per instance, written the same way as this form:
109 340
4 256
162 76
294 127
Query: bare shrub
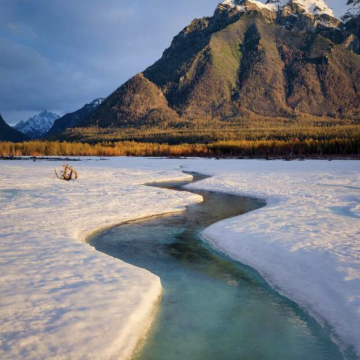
67 173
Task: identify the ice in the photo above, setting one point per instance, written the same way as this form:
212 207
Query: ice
62 299
306 242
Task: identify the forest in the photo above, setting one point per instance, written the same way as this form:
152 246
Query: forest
235 148
282 137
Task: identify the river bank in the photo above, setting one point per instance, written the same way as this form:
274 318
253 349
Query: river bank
62 299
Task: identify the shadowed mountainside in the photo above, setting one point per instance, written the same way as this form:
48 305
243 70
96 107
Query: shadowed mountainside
72 119
7 133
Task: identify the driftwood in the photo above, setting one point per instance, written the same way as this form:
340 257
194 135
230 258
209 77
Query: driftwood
67 174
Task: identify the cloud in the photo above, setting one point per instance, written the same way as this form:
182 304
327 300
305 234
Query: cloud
31 82
60 54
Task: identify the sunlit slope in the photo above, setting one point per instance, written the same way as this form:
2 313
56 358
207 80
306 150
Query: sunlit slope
238 66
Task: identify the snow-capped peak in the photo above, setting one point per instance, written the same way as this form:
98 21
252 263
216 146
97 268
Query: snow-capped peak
37 125
243 5
312 7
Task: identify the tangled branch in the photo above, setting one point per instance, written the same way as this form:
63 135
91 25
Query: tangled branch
67 174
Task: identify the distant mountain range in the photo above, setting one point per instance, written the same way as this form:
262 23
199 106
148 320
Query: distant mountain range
46 124
7 133
281 59
38 125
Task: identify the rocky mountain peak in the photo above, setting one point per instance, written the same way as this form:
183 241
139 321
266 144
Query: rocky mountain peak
303 15
38 125
313 7
44 113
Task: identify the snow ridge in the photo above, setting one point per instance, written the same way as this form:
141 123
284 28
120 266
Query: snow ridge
313 7
334 8
97 102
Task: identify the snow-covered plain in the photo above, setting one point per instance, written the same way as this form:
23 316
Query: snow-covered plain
62 299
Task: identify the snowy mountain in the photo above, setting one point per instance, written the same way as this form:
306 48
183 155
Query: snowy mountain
314 7
311 7
38 125
340 9
72 119
300 15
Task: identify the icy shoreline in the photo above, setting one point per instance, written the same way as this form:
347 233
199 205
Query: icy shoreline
62 299
305 242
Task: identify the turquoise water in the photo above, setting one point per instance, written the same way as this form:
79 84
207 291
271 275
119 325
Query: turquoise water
213 308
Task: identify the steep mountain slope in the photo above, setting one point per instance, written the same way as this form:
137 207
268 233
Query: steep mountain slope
280 59
38 125
72 119
7 133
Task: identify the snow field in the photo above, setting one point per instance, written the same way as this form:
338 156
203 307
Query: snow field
306 241
61 299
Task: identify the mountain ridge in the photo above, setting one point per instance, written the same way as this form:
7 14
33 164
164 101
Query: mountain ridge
72 119
7 133
314 7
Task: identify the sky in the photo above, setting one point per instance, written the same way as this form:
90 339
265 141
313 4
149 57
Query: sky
59 55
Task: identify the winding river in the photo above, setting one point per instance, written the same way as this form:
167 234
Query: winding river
213 308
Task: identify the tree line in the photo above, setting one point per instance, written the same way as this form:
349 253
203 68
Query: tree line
230 148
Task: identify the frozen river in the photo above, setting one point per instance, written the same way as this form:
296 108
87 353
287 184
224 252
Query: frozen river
212 308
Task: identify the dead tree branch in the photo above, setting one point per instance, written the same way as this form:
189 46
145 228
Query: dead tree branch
67 174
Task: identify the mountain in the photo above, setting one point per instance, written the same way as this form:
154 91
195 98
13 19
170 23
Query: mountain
72 119
38 125
7 133
352 10
351 18
285 58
